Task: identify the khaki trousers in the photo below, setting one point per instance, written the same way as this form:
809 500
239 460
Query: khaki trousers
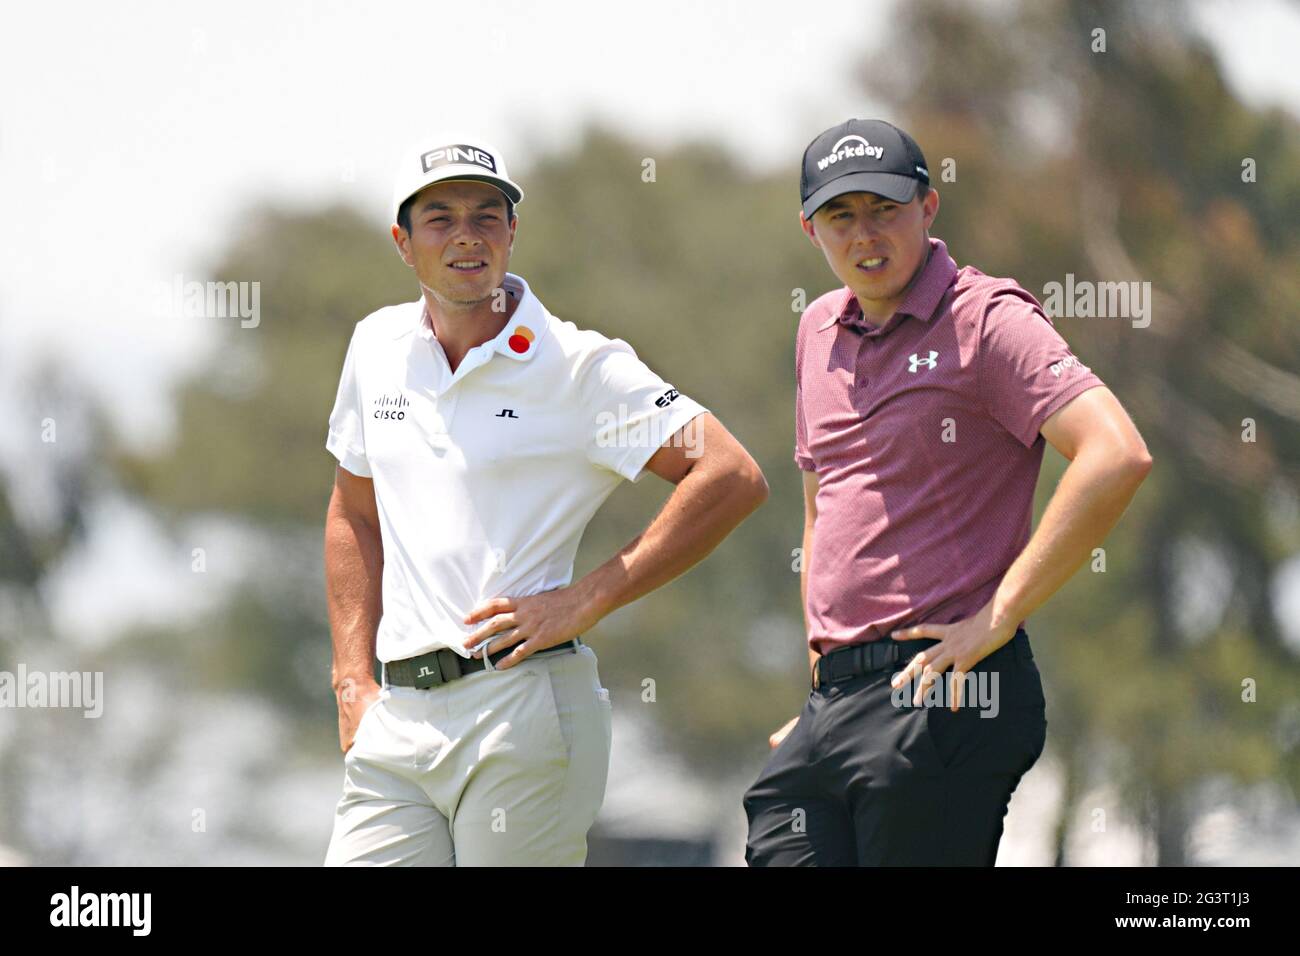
498 768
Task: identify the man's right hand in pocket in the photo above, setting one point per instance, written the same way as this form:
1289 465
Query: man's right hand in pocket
354 697
775 739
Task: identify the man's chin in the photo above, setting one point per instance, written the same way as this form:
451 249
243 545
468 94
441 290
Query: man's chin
463 296
877 289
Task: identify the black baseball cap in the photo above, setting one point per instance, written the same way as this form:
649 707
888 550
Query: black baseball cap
869 156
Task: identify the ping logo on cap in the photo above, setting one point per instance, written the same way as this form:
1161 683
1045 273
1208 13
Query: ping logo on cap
846 148
457 154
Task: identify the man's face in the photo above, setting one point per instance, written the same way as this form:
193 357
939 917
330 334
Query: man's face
873 245
459 243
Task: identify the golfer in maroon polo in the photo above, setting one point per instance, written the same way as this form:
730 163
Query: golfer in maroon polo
925 394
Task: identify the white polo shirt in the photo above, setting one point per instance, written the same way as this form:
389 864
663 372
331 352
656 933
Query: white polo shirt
485 479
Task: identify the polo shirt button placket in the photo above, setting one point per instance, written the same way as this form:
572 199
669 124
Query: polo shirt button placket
443 413
479 355
865 347
442 403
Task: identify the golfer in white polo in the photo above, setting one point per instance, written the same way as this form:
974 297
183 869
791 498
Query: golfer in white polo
476 435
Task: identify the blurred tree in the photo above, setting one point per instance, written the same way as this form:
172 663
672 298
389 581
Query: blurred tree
45 490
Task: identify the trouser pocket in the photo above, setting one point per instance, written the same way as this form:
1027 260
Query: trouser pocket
1001 725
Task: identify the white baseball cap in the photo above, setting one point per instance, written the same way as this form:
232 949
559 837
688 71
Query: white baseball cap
441 157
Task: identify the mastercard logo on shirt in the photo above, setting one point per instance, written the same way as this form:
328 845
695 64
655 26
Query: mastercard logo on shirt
521 340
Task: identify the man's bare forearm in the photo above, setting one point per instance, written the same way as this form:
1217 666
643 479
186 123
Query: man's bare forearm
1094 491
354 564
705 507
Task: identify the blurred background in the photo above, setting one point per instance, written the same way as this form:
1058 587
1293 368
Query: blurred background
163 476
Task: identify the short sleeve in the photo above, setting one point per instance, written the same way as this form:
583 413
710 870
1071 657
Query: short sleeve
346 440
632 411
1026 369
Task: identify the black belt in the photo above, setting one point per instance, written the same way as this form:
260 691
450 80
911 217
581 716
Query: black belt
847 663
444 664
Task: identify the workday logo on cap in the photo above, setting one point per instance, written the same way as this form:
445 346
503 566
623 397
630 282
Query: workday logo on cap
852 145
869 156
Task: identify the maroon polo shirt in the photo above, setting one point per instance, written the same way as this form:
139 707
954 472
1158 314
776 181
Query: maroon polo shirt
924 436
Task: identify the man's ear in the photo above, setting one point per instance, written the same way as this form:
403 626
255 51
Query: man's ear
808 230
930 206
403 241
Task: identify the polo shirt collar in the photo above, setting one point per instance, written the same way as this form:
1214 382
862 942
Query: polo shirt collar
922 299
522 334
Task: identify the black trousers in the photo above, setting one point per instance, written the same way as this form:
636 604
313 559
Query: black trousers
866 779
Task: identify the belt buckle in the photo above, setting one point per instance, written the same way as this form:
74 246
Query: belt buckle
450 664
424 678
847 664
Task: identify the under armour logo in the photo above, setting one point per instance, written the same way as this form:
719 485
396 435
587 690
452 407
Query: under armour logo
506 413
914 361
